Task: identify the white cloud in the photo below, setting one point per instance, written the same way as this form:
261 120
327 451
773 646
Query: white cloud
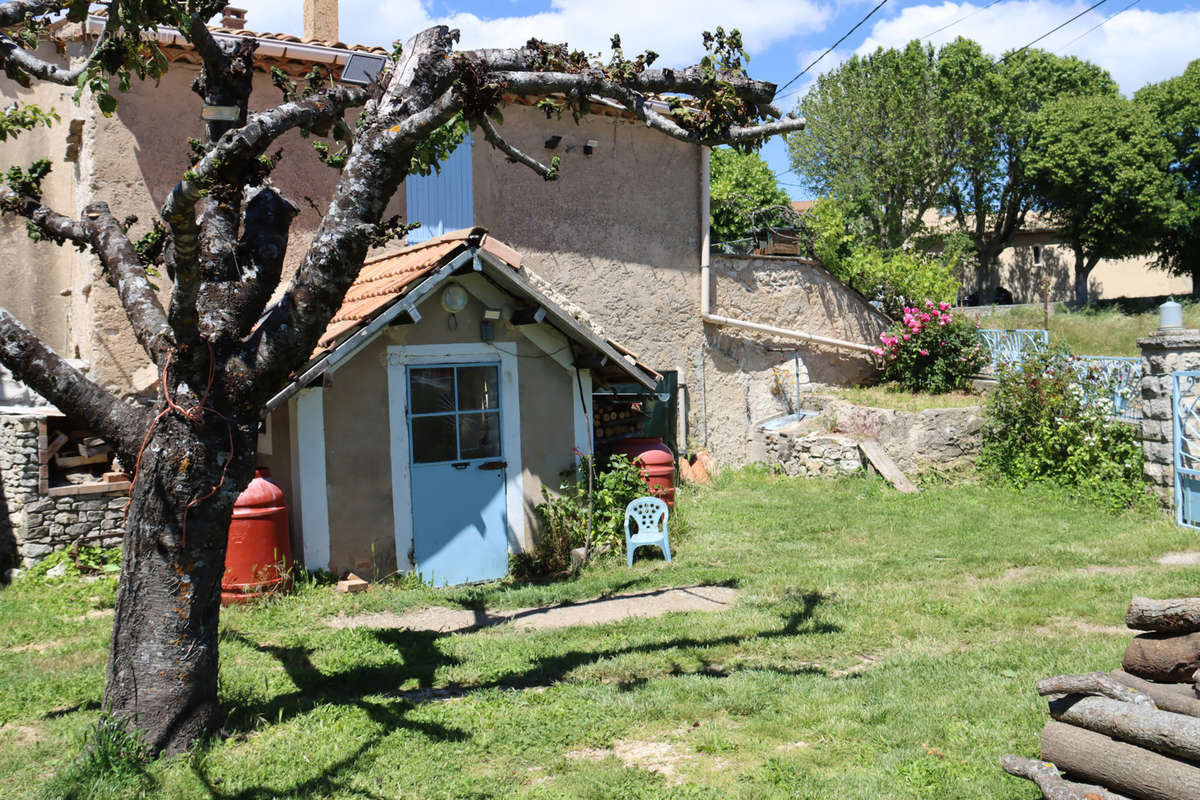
669 27
1136 46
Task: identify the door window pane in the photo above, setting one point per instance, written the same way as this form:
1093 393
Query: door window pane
478 388
433 439
432 389
479 435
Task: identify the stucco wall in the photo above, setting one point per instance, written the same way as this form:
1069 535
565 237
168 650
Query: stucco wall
1128 277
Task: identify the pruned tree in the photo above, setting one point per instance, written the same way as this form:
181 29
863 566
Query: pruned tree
221 345
1100 169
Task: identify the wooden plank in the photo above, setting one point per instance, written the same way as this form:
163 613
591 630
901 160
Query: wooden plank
883 464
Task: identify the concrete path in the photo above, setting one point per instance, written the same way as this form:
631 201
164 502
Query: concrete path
650 603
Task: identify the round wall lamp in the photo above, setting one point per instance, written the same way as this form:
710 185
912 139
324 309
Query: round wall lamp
454 299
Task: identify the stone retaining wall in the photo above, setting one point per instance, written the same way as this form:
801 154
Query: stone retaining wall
915 440
35 518
805 454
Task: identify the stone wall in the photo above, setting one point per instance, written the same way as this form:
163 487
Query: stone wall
805 454
915 440
1163 352
35 518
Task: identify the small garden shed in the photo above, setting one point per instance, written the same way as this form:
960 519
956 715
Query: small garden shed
443 396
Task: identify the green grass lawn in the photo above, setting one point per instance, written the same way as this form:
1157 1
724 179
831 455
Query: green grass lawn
883 646
890 395
1109 328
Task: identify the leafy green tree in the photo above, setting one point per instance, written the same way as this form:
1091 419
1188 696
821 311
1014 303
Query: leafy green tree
1100 168
875 138
1175 104
743 195
988 109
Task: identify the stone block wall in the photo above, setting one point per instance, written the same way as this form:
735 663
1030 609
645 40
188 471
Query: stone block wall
35 518
806 454
828 442
1163 353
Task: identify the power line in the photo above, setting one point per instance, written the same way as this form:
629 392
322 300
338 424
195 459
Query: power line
857 25
1101 23
960 19
1053 30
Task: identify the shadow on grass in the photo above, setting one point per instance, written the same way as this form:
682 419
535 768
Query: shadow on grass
421 658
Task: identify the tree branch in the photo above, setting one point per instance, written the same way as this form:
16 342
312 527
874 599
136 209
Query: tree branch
55 224
231 155
594 83
48 374
13 12
141 305
260 257
1043 773
496 140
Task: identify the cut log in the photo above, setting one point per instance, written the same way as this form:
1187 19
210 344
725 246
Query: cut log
1177 697
1043 774
1178 615
1163 657
1093 683
1161 731
1124 768
1090 791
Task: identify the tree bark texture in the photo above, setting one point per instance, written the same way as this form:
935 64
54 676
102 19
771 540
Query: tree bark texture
1163 657
1178 615
1044 774
1161 731
1090 791
1093 683
1178 697
162 670
1123 768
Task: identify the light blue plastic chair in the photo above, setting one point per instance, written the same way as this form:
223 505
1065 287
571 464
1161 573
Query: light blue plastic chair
650 514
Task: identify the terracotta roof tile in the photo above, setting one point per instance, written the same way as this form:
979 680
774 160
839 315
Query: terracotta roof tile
387 278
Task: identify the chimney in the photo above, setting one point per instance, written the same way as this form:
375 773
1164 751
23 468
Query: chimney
233 19
321 20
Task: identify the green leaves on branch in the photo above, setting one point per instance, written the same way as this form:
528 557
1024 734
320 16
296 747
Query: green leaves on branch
27 183
429 154
19 118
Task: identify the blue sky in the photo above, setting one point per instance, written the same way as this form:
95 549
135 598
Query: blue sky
1139 43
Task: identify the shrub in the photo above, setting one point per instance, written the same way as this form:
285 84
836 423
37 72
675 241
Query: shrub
899 277
932 350
565 516
1046 421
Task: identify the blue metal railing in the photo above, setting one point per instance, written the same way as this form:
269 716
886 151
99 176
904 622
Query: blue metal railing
1013 346
1115 378
1185 428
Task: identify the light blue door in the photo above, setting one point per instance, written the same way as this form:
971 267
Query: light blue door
458 473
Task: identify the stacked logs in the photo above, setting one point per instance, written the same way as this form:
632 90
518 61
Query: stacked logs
1133 733
617 419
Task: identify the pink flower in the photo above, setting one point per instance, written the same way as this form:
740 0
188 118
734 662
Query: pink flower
924 352
907 336
942 306
929 304
877 351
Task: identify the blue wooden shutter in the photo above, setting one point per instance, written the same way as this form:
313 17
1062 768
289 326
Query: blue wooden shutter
444 201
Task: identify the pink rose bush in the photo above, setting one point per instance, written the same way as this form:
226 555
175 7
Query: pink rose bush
931 349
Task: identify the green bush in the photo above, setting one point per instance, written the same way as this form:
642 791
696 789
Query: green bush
565 516
1047 422
932 350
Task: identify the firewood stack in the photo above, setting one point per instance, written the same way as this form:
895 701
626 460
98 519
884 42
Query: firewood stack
1133 733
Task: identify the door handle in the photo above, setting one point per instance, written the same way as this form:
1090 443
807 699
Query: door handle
493 465
461 464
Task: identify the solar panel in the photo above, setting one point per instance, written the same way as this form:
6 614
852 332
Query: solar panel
362 68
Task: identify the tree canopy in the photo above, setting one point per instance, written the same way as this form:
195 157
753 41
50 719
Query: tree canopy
1099 168
233 330
1175 105
743 195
